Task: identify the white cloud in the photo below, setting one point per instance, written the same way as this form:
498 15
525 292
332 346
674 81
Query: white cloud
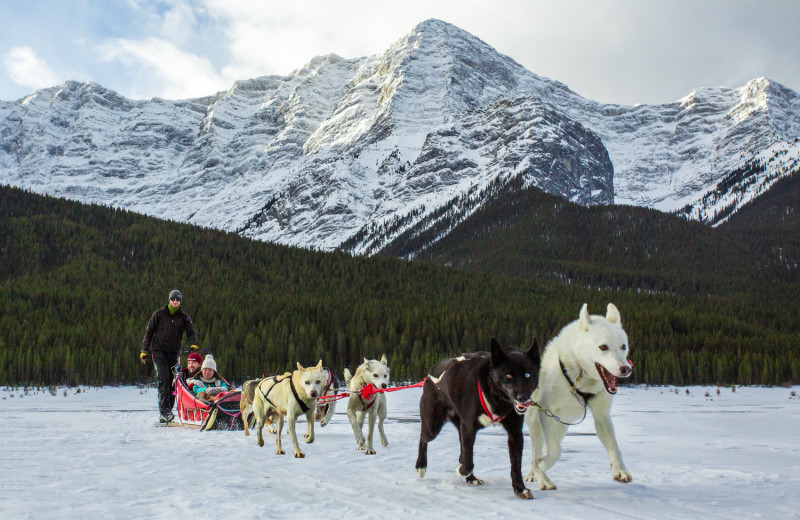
27 69
178 23
277 38
154 62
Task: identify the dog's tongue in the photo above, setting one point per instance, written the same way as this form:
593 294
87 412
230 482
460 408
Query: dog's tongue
609 379
612 383
521 407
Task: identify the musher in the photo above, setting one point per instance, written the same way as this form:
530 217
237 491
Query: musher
163 336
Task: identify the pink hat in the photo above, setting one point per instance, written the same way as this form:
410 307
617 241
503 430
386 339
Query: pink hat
195 356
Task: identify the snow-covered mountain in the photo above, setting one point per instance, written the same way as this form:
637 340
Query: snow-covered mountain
353 152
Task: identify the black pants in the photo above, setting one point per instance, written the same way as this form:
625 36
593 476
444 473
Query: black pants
164 361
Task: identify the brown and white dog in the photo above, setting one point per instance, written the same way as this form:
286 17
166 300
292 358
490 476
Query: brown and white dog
369 372
246 402
326 409
290 395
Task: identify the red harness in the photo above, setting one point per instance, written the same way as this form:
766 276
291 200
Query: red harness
486 408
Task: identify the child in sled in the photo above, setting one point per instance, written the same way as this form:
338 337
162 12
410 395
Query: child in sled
209 384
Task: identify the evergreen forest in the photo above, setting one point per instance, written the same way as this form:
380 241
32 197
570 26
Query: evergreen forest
701 305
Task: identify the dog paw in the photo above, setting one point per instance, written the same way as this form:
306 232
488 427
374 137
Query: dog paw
261 442
524 494
473 480
299 455
309 439
384 443
547 485
623 476
421 472
280 451
530 477
369 452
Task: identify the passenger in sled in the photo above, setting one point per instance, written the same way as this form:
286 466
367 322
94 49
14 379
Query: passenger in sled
193 366
209 385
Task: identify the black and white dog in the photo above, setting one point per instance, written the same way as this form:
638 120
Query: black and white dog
474 391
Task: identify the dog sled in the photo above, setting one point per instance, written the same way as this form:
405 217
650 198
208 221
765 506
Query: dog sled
203 414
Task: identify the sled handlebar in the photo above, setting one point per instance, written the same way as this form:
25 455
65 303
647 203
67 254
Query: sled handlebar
187 351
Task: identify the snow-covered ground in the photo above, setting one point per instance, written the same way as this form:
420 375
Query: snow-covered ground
693 455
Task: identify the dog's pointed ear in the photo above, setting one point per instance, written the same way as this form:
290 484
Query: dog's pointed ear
300 367
498 356
584 320
612 314
383 360
319 365
533 352
366 361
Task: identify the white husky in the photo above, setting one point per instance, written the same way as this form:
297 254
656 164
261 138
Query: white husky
580 367
375 373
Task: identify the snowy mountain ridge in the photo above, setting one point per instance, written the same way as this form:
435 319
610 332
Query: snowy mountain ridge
351 153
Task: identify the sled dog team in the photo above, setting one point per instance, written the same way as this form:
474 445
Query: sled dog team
578 369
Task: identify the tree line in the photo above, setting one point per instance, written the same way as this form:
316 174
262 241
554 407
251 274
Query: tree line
79 282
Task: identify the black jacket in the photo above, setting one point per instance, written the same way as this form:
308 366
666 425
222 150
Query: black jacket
166 330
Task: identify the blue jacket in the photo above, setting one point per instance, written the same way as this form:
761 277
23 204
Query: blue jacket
200 385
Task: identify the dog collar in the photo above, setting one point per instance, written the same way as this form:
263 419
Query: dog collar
488 409
584 395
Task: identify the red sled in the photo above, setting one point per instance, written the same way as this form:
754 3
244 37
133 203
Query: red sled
199 414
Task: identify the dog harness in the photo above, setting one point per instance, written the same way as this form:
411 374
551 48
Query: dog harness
581 397
303 406
584 395
371 402
488 409
484 403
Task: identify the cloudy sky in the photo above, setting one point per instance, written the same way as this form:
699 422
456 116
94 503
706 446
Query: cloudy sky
614 51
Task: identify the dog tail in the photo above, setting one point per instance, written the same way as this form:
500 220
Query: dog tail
347 377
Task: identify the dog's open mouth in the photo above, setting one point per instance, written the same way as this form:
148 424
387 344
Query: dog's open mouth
609 379
521 408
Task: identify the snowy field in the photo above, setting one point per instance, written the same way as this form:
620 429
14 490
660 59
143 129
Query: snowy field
99 454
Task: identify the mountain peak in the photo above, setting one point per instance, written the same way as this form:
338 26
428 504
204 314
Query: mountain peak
362 150
436 26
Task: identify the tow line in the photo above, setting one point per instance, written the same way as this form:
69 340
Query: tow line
366 392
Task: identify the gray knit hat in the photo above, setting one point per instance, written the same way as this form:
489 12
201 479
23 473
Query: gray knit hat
175 293
209 362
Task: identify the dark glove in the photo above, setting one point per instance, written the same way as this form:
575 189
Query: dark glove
194 347
143 357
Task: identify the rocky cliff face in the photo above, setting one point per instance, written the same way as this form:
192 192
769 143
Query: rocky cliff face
352 153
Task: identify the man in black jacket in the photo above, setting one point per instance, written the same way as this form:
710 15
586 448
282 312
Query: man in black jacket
164 333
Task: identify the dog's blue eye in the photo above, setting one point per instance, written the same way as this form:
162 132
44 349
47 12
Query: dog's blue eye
527 376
